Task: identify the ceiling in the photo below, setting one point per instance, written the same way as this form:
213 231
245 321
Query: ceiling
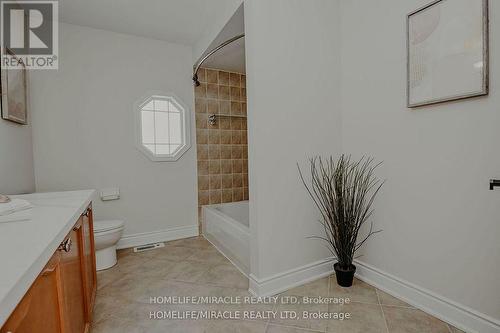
231 57
177 21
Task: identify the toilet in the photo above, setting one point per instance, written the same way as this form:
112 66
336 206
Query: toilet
106 234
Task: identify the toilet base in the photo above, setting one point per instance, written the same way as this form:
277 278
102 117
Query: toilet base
105 258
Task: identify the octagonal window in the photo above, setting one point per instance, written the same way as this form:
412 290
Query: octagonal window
163 128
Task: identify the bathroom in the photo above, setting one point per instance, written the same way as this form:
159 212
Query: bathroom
217 207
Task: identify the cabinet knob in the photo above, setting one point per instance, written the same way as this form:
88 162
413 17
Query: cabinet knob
66 245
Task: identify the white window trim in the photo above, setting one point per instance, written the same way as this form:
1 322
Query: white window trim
186 131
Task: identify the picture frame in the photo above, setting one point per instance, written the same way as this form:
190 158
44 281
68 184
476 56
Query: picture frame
14 93
447 58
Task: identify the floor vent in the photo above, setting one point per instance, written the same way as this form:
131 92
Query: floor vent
148 247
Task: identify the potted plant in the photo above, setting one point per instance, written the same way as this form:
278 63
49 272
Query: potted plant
344 191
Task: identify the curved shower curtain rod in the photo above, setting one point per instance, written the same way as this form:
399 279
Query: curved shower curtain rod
198 65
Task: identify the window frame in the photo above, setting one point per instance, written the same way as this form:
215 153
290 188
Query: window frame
186 130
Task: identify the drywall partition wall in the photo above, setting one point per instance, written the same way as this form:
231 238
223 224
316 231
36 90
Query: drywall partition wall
293 89
204 44
441 222
16 158
84 132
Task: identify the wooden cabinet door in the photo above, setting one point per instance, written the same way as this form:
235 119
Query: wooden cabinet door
89 262
72 281
40 309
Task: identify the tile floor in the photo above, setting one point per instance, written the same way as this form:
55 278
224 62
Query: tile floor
192 267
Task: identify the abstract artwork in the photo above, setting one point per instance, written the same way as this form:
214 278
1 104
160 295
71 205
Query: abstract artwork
447 52
14 94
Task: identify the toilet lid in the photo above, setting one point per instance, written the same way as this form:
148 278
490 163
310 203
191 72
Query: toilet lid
100 226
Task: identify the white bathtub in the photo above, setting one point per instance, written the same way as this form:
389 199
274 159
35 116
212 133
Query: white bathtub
226 227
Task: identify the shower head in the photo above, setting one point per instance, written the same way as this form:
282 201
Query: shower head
195 80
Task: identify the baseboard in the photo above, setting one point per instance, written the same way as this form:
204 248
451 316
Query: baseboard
458 315
157 236
287 280
440 307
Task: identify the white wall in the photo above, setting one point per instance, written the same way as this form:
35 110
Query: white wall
84 126
293 89
441 223
16 158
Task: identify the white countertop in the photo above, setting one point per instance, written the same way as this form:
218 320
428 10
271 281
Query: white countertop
27 246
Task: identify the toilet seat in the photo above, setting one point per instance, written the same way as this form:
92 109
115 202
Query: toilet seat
107 225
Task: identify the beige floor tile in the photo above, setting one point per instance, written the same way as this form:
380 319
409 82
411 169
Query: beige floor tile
117 325
300 321
193 242
225 275
364 318
312 289
192 267
187 271
208 255
359 292
172 253
386 299
285 329
402 320
235 326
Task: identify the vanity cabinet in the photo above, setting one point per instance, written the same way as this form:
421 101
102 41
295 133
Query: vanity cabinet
61 298
40 310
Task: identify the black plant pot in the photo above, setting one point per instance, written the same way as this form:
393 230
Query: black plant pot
344 276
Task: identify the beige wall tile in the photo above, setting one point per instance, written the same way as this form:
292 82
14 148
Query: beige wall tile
202 136
202 152
224 93
237 166
225 108
215 196
203 184
236 108
214 167
227 181
237 194
235 79
212 76
237 180
225 137
203 198
200 105
215 182
202 168
235 94
212 90
225 152
201 90
223 78
226 167
202 75
236 137
236 123
236 152
213 136
201 120
222 150
227 195
213 106
213 152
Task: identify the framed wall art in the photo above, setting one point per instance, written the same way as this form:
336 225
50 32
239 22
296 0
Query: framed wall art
14 94
447 50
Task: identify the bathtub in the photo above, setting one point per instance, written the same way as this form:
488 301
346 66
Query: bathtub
226 226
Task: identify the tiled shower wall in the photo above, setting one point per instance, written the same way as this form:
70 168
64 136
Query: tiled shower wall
222 148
